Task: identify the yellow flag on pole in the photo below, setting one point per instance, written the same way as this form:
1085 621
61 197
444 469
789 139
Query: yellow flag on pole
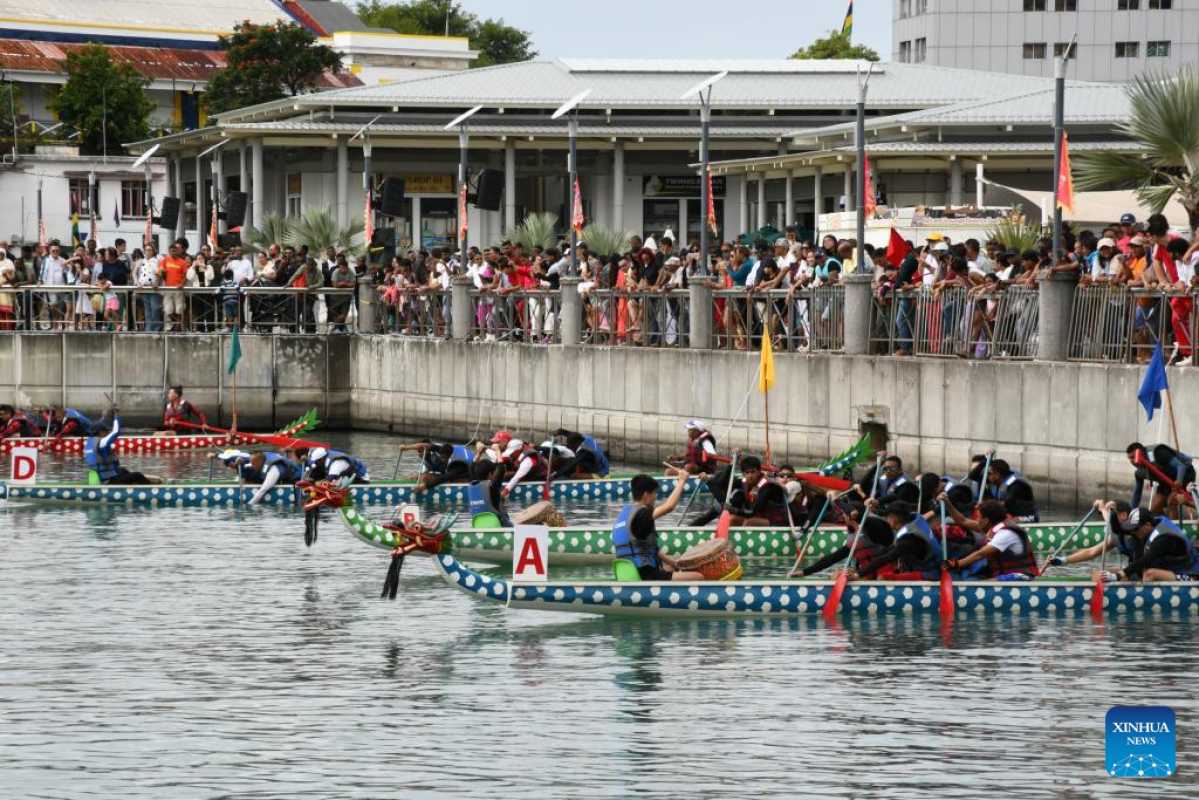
766 366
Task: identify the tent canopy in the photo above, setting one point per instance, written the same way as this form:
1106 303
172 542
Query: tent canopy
1101 208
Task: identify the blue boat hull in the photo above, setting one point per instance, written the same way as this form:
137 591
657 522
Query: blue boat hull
794 598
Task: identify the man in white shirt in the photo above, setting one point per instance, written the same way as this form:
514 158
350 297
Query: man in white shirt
54 273
146 277
243 270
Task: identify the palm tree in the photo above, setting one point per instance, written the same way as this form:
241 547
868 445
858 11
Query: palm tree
1163 118
1016 231
318 229
536 231
275 230
604 241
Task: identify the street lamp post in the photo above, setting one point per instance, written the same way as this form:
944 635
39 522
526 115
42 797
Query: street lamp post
860 136
572 168
704 91
459 122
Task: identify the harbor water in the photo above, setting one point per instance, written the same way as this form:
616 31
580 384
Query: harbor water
206 653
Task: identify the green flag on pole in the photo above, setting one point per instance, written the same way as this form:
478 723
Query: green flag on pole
234 351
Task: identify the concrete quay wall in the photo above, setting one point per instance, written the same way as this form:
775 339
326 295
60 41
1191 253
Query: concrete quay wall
278 378
1065 425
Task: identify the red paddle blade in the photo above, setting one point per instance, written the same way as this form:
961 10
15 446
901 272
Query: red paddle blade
545 491
825 482
946 607
1097 600
723 524
833 604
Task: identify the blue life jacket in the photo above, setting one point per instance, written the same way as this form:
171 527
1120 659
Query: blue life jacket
1189 565
355 464
478 499
462 453
102 459
888 486
246 471
290 470
601 458
85 425
930 564
626 545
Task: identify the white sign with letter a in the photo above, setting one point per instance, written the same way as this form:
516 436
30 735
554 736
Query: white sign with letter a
24 466
530 553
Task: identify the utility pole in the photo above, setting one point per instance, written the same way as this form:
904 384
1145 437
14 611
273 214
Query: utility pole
860 192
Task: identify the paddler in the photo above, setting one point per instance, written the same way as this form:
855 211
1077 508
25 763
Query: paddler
915 553
1115 516
238 461
443 462
763 501
180 409
1166 553
1167 463
877 537
1008 550
16 424
701 454
892 486
484 494
634 536
71 422
1009 487
322 464
275 469
98 455
589 458
529 463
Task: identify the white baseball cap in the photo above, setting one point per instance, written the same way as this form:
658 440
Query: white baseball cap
317 453
695 425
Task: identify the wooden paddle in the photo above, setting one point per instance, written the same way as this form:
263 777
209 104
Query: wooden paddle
1097 593
809 533
833 604
726 517
1065 542
982 484
549 471
282 441
946 606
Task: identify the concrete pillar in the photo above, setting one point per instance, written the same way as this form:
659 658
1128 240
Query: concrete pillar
789 199
699 295
243 180
571 311
955 183
817 201
848 189
218 186
343 182
257 212
857 313
368 305
1056 300
978 184
761 201
460 310
618 186
509 185
202 220
179 194
743 205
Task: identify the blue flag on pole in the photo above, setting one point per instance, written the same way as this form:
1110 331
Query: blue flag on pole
1154 382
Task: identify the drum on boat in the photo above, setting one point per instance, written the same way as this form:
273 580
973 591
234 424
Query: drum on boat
540 513
715 559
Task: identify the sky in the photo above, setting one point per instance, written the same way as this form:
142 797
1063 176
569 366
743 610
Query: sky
686 28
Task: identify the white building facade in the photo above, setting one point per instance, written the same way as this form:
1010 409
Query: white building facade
1117 39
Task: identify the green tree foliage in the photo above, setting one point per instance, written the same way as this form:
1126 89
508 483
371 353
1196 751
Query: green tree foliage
103 97
496 42
836 45
268 62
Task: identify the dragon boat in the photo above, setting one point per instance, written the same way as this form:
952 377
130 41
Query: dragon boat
126 445
807 597
227 494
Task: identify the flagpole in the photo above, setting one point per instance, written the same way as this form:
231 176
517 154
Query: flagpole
1173 422
766 383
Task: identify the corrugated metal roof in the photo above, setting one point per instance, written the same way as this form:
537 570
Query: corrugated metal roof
711 66
547 83
331 16
190 15
1086 103
516 129
154 63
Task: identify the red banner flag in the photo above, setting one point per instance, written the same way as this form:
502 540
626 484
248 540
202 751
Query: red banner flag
149 234
897 249
212 230
368 223
463 222
41 231
1065 182
711 206
868 201
576 218
94 232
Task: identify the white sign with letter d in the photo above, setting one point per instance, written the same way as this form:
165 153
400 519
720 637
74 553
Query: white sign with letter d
530 553
24 466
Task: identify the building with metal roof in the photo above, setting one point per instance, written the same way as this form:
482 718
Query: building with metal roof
638 141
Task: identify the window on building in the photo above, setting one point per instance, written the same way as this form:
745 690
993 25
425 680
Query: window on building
295 191
905 9
1065 5
78 196
905 52
920 50
1034 5
1128 5
921 7
133 199
1127 49
1034 50
1161 5
1059 49
1157 49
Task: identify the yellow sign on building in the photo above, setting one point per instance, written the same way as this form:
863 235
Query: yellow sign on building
428 184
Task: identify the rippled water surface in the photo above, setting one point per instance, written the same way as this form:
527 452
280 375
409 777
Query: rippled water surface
200 653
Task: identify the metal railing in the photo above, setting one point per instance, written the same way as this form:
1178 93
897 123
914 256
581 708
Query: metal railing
1121 324
416 312
637 318
531 316
193 309
956 321
803 320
